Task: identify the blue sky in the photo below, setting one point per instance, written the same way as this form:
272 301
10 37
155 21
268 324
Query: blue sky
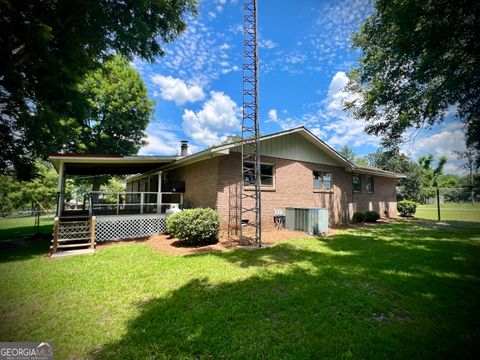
304 53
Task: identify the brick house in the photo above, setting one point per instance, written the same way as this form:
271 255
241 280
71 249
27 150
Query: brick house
297 170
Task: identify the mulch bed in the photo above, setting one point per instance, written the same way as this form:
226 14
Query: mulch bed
171 246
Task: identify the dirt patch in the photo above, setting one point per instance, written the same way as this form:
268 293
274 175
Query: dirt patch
172 246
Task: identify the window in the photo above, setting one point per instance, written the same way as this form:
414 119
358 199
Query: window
356 183
267 175
370 186
322 180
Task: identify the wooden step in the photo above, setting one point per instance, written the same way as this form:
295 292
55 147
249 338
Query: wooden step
64 253
72 246
78 239
62 222
87 231
83 215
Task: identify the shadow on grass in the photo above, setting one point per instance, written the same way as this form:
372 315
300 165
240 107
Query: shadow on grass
24 248
23 231
395 291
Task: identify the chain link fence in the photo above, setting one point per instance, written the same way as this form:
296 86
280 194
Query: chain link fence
452 204
26 223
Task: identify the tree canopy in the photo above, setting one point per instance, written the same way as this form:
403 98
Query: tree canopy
348 153
117 110
392 160
47 47
430 175
420 59
41 191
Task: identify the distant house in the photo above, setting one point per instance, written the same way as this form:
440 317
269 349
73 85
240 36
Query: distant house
297 170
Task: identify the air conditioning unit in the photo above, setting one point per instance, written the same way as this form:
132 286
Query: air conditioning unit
310 220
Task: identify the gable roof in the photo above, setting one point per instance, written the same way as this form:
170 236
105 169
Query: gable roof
301 130
89 163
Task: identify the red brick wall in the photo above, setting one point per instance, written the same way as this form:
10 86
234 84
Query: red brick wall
294 187
383 199
200 182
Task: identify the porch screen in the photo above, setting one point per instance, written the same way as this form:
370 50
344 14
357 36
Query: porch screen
322 180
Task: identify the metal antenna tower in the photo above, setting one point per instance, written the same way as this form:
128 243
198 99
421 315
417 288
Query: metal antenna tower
250 204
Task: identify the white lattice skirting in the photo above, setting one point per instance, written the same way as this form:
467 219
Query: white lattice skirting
128 226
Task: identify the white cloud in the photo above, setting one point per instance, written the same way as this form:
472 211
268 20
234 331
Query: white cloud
196 53
338 125
218 117
163 139
327 45
328 120
272 115
449 138
267 44
177 90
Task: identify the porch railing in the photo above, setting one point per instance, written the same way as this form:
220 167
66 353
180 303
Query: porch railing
119 203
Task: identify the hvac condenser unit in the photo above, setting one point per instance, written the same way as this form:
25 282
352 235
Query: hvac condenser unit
310 220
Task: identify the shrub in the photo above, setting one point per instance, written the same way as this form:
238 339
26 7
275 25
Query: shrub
372 216
358 217
195 226
406 207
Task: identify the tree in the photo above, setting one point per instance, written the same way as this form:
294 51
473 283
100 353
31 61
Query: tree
41 191
419 58
47 47
117 112
361 161
393 160
348 153
429 176
8 186
471 166
232 139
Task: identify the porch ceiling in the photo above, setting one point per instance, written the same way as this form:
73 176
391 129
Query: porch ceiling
104 169
109 165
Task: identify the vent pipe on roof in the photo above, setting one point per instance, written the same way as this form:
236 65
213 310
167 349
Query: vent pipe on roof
184 148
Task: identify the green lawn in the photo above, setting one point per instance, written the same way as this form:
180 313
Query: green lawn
11 228
406 290
450 211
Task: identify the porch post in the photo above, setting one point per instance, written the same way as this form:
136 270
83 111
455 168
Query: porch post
61 188
159 194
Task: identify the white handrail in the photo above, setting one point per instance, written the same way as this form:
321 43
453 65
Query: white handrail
142 201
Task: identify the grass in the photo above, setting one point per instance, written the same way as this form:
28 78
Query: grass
394 291
450 211
11 228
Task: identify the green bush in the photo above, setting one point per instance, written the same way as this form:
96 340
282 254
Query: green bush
195 226
406 207
358 217
372 216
